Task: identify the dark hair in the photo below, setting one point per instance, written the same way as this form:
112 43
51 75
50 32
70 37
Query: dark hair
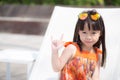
96 25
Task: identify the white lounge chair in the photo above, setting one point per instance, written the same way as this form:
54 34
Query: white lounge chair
63 21
18 56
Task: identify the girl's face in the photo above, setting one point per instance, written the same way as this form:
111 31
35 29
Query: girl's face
89 37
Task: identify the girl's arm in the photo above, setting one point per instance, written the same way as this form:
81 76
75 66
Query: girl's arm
96 75
59 62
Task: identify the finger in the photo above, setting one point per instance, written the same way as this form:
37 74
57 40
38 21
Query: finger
52 46
61 45
52 41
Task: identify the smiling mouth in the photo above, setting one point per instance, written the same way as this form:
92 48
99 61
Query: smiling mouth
88 41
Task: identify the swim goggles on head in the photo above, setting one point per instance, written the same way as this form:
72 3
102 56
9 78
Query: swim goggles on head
84 15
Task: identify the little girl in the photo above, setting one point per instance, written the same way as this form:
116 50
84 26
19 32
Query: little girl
82 58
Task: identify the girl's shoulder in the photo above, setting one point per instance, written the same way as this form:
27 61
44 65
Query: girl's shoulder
70 43
99 51
70 46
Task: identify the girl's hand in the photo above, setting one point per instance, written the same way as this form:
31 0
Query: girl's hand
57 44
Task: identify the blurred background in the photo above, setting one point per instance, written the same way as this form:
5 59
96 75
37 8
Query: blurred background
63 2
23 24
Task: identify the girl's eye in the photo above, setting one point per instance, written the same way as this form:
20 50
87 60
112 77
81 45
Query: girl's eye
93 32
84 32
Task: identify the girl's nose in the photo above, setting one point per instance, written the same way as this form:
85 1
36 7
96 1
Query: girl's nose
89 37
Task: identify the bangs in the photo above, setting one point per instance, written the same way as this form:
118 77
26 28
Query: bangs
94 25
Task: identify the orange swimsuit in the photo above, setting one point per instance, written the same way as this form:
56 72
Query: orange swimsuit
81 66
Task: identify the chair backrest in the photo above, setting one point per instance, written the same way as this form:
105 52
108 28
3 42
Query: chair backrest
63 21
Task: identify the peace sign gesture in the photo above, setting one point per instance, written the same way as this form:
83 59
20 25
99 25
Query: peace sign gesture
57 44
